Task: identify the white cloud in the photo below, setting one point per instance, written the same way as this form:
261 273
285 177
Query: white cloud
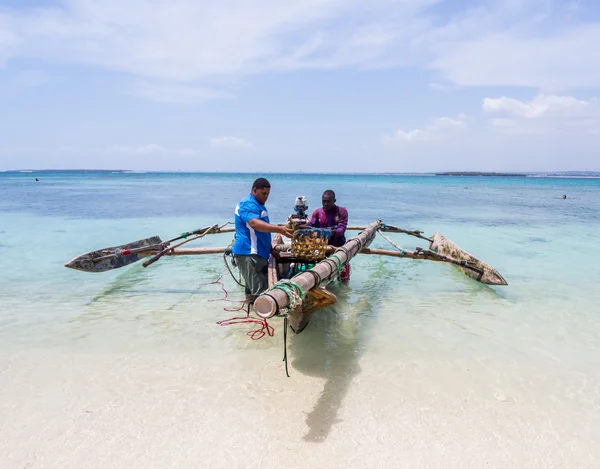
544 114
437 129
183 41
230 143
179 50
540 106
528 43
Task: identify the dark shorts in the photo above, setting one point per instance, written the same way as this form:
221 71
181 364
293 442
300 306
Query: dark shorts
254 272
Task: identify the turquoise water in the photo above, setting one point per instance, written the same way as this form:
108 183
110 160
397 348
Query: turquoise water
403 331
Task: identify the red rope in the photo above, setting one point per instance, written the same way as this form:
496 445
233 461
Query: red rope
265 327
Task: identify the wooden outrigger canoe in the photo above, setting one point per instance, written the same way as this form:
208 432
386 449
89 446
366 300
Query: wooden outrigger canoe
300 296
311 283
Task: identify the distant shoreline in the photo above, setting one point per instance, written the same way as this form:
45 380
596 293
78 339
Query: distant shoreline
476 173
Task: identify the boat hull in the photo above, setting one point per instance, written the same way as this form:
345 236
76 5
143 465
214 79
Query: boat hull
315 299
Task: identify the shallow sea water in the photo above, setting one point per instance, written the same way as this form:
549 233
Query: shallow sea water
415 366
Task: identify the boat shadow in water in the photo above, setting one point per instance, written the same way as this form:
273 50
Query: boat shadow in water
330 348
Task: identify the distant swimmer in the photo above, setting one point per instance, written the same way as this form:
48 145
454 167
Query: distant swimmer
37 180
564 197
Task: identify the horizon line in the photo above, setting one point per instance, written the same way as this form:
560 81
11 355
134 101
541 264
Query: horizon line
440 172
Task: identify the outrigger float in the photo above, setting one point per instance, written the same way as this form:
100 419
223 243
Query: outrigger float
298 271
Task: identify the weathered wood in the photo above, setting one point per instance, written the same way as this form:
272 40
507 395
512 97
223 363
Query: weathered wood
315 299
90 262
394 229
487 274
194 251
272 276
423 255
211 229
420 255
267 306
387 252
111 259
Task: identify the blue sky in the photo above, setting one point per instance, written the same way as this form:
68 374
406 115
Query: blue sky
317 85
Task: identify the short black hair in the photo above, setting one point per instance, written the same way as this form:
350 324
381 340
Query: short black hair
261 183
329 192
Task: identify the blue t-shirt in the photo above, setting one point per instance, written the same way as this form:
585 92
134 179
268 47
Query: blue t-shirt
247 240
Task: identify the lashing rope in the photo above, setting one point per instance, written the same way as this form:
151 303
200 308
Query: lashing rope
402 252
338 265
294 293
295 296
286 321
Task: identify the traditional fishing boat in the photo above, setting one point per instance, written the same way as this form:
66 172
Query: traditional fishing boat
299 270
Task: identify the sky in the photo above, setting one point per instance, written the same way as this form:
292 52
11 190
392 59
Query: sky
311 85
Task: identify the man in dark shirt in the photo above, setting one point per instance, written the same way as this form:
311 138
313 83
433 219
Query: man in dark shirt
335 218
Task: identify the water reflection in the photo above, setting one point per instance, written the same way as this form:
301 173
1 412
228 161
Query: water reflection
332 344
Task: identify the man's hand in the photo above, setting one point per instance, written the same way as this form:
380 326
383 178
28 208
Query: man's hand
286 231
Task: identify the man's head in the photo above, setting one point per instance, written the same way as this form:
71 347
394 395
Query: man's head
261 189
328 200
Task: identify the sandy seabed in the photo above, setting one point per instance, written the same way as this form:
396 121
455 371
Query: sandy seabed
75 410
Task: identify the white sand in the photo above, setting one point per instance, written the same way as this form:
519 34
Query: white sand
76 410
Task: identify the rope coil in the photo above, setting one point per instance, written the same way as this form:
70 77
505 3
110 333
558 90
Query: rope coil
294 293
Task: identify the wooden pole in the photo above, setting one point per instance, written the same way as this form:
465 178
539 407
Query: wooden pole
267 305
211 229
394 229
386 252
195 251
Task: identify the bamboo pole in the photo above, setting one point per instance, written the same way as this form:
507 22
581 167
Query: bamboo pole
267 305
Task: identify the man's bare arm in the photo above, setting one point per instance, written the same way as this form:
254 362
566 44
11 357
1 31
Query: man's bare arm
260 225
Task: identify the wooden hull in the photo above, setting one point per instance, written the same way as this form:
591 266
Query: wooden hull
317 296
487 274
315 299
311 283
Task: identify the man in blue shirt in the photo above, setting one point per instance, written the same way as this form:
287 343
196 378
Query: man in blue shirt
252 245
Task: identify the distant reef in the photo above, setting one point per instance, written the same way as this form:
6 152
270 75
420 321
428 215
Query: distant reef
477 173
